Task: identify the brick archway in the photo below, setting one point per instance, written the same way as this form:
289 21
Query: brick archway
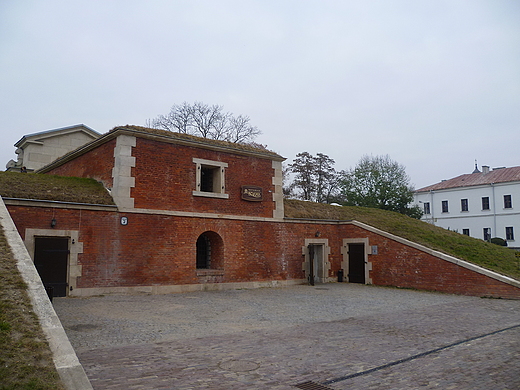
210 251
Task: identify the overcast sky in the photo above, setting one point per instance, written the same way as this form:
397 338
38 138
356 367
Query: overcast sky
434 84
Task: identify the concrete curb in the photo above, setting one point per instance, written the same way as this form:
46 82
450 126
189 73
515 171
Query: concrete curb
67 363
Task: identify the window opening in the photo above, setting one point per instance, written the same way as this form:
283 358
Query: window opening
210 180
463 205
426 207
444 206
207 179
508 203
487 234
203 252
485 203
510 236
465 232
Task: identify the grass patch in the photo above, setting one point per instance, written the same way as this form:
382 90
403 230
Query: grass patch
25 357
51 187
491 256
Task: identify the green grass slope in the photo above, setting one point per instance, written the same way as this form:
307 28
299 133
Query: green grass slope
25 357
491 256
50 187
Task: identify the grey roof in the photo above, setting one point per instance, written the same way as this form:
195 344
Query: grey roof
50 132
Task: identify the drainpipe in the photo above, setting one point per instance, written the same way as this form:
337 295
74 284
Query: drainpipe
431 207
494 232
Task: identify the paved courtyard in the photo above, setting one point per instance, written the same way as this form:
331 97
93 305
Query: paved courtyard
332 336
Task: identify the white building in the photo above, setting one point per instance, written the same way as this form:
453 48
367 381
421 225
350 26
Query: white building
481 204
39 149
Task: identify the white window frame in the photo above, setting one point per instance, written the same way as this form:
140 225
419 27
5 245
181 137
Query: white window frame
486 234
219 182
508 202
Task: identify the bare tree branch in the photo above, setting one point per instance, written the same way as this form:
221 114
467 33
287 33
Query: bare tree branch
206 121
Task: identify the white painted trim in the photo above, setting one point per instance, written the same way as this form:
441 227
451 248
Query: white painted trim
277 181
121 173
211 163
210 194
325 268
220 181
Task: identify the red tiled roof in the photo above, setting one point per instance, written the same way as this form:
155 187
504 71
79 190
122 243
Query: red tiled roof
497 175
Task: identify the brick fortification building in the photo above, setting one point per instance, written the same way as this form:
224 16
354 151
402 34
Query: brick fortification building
195 214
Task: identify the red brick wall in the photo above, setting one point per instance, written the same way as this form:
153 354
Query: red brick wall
400 265
160 250
96 164
165 179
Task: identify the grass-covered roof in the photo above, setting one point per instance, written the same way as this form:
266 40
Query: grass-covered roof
56 188
245 147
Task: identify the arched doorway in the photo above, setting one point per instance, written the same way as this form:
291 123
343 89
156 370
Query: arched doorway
209 251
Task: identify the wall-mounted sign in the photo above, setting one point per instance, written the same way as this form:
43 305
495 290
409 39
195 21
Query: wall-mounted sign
252 193
124 221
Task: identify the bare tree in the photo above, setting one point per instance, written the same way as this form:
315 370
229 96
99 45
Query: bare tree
240 130
179 119
206 121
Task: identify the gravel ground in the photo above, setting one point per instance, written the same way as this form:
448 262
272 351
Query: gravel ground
336 336
132 319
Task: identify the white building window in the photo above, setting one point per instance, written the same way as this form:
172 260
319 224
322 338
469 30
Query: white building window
508 203
465 232
510 236
445 208
427 208
487 234
485 203
210 178
464 205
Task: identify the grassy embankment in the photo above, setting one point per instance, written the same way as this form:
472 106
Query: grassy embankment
25 357
491 256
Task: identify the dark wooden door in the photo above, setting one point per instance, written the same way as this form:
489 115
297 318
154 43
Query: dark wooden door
356 263
51 256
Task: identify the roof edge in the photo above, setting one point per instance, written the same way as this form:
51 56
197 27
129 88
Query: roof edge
61 129
194 141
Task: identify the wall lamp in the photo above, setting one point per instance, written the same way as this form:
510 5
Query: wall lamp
53 222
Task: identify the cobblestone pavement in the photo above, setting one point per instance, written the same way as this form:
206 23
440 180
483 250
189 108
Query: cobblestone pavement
333 336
